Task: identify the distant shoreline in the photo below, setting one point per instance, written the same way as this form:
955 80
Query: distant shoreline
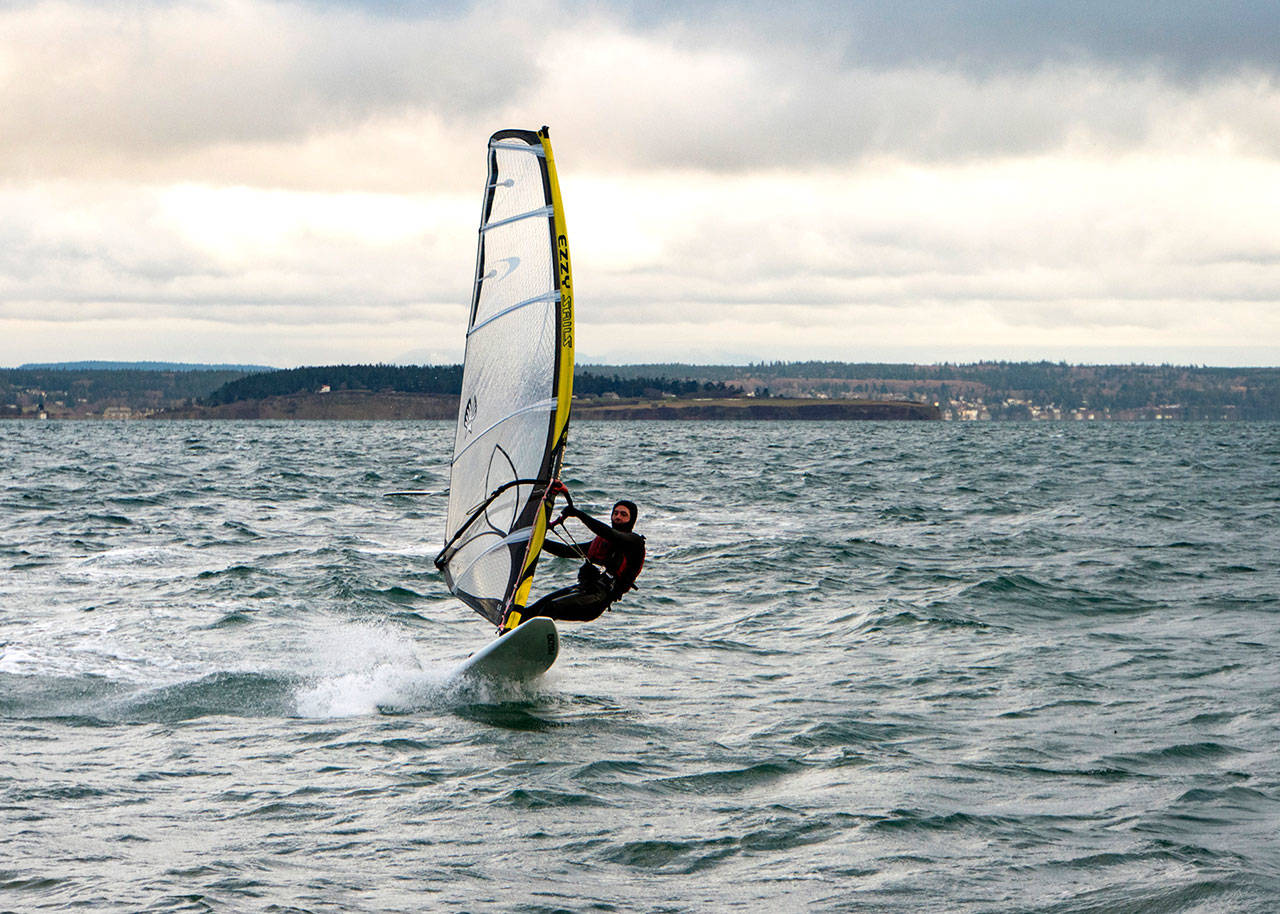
996 391
368 406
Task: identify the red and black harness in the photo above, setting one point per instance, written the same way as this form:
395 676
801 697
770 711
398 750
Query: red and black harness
617 564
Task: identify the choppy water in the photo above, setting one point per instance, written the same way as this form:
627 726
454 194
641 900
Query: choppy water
871 667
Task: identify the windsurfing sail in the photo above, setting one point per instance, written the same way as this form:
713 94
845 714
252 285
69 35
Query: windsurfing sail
517 381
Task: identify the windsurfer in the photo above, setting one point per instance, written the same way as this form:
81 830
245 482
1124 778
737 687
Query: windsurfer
616 549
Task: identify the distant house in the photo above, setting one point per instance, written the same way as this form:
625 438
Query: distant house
324 389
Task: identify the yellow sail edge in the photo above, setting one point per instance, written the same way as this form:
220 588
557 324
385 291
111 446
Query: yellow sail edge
564 281
564 381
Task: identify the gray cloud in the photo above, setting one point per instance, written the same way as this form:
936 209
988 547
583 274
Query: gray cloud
379 97
161 80
780 187
795 111
1186 38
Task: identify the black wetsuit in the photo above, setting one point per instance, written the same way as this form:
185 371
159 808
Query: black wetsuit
621 552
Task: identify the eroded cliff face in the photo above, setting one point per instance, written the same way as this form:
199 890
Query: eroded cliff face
346 404
761 409
365 405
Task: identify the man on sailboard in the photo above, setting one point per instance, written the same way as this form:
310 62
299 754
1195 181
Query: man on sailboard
616 549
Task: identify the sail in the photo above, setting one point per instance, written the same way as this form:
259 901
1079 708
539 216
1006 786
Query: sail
517 381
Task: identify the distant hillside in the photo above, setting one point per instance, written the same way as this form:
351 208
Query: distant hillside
417 379
82 393
438 380
982 390
139 366
1011 390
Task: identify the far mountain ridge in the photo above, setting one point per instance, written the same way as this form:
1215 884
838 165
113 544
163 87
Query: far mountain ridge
96 365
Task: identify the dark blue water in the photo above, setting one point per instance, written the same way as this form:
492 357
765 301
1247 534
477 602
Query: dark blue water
870 667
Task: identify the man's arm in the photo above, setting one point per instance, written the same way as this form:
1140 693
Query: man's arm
623 538
564 550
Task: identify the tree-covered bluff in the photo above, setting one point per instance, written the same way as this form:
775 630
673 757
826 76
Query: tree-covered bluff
443 380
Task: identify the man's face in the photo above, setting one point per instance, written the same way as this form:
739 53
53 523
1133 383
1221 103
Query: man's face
621 516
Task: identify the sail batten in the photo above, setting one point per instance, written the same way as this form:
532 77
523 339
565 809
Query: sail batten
517 381
519 537
516 307
532 407
532 214
517 147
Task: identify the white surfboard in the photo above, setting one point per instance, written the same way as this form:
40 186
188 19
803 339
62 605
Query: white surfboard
522 653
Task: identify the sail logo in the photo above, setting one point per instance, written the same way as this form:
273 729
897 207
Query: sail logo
510 262
566 292
469 414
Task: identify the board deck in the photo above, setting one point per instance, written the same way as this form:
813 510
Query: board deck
522 653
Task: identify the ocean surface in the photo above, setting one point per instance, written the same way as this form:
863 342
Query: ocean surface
881 667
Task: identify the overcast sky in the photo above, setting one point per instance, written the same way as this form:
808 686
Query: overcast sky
299 183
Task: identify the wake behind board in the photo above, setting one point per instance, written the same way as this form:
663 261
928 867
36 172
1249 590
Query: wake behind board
522 653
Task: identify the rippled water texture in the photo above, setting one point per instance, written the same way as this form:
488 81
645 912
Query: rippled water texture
870 667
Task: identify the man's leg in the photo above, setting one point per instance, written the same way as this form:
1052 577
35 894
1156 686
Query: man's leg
579 603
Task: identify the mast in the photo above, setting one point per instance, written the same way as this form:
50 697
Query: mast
517 386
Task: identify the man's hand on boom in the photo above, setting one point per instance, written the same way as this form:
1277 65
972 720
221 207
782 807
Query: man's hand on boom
556 487
568 512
